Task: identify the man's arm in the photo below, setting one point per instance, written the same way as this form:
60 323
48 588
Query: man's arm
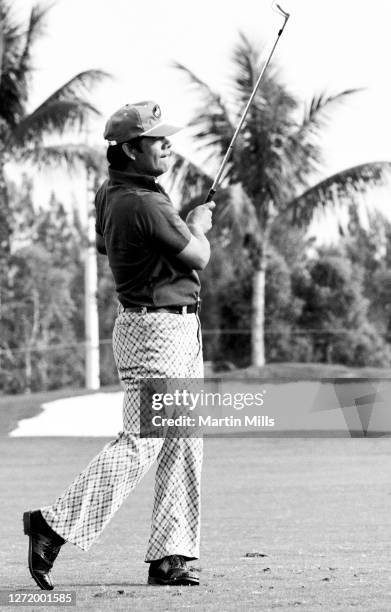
100 244
196 253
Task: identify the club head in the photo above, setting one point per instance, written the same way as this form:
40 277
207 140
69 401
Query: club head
277 8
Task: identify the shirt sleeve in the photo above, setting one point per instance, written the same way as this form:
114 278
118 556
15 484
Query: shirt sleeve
164 226
99 204
97 229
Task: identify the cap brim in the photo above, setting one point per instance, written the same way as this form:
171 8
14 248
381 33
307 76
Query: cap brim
160 130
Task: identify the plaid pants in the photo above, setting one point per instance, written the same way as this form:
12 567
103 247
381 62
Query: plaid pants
151 345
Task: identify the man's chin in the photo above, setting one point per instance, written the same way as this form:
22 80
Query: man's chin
163 167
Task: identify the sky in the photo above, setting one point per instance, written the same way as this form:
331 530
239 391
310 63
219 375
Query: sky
328 45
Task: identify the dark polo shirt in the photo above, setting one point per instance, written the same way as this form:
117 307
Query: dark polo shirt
143 234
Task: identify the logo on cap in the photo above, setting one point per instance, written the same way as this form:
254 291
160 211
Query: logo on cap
156 112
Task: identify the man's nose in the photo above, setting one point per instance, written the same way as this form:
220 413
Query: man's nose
166 143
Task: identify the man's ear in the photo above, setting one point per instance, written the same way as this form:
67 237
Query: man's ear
128 150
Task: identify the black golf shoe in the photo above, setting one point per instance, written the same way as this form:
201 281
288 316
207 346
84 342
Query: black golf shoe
172 571
44 546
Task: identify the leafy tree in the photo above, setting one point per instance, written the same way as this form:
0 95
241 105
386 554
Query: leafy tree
335 313
227 293
43 308
272 166
282 310
39 319
369 250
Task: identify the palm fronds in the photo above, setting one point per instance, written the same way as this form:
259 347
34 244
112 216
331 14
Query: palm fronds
63 109
246 60
71 156
340 189
212 127
305 136
11 90
78 85
188 178
321 104
276 156
34 30
54 117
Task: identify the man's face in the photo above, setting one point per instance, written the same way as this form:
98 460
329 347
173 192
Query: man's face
153 158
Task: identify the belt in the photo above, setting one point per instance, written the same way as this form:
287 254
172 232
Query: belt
188 309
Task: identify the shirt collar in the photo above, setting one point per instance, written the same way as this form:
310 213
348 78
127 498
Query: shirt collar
141 180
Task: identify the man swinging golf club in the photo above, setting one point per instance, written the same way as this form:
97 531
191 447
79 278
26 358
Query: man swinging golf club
153 255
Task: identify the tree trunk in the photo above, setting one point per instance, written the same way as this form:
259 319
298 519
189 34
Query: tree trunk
27 370
44 362
258 297
91 295
31 340
258 318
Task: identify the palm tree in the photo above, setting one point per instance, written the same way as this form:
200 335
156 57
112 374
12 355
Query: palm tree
23 134
27 136
276 157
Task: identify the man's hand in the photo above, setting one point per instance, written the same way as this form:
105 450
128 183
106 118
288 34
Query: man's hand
200 218
197 252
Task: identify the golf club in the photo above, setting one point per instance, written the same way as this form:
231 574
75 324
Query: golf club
276 7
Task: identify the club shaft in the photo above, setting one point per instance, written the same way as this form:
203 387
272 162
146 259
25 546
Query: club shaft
227 155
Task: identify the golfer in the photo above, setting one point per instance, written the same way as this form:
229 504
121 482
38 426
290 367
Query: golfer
153 255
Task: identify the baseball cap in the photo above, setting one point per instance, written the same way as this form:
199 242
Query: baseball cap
139 119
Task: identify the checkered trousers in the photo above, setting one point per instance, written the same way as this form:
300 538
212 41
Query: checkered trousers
151 345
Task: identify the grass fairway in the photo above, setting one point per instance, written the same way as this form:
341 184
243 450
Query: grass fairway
286 523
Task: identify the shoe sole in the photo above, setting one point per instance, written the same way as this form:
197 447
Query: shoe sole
180 582
27 531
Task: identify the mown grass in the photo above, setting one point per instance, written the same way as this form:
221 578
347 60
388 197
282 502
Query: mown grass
286 524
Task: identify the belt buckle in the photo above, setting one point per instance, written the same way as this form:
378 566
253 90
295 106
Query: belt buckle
184 310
